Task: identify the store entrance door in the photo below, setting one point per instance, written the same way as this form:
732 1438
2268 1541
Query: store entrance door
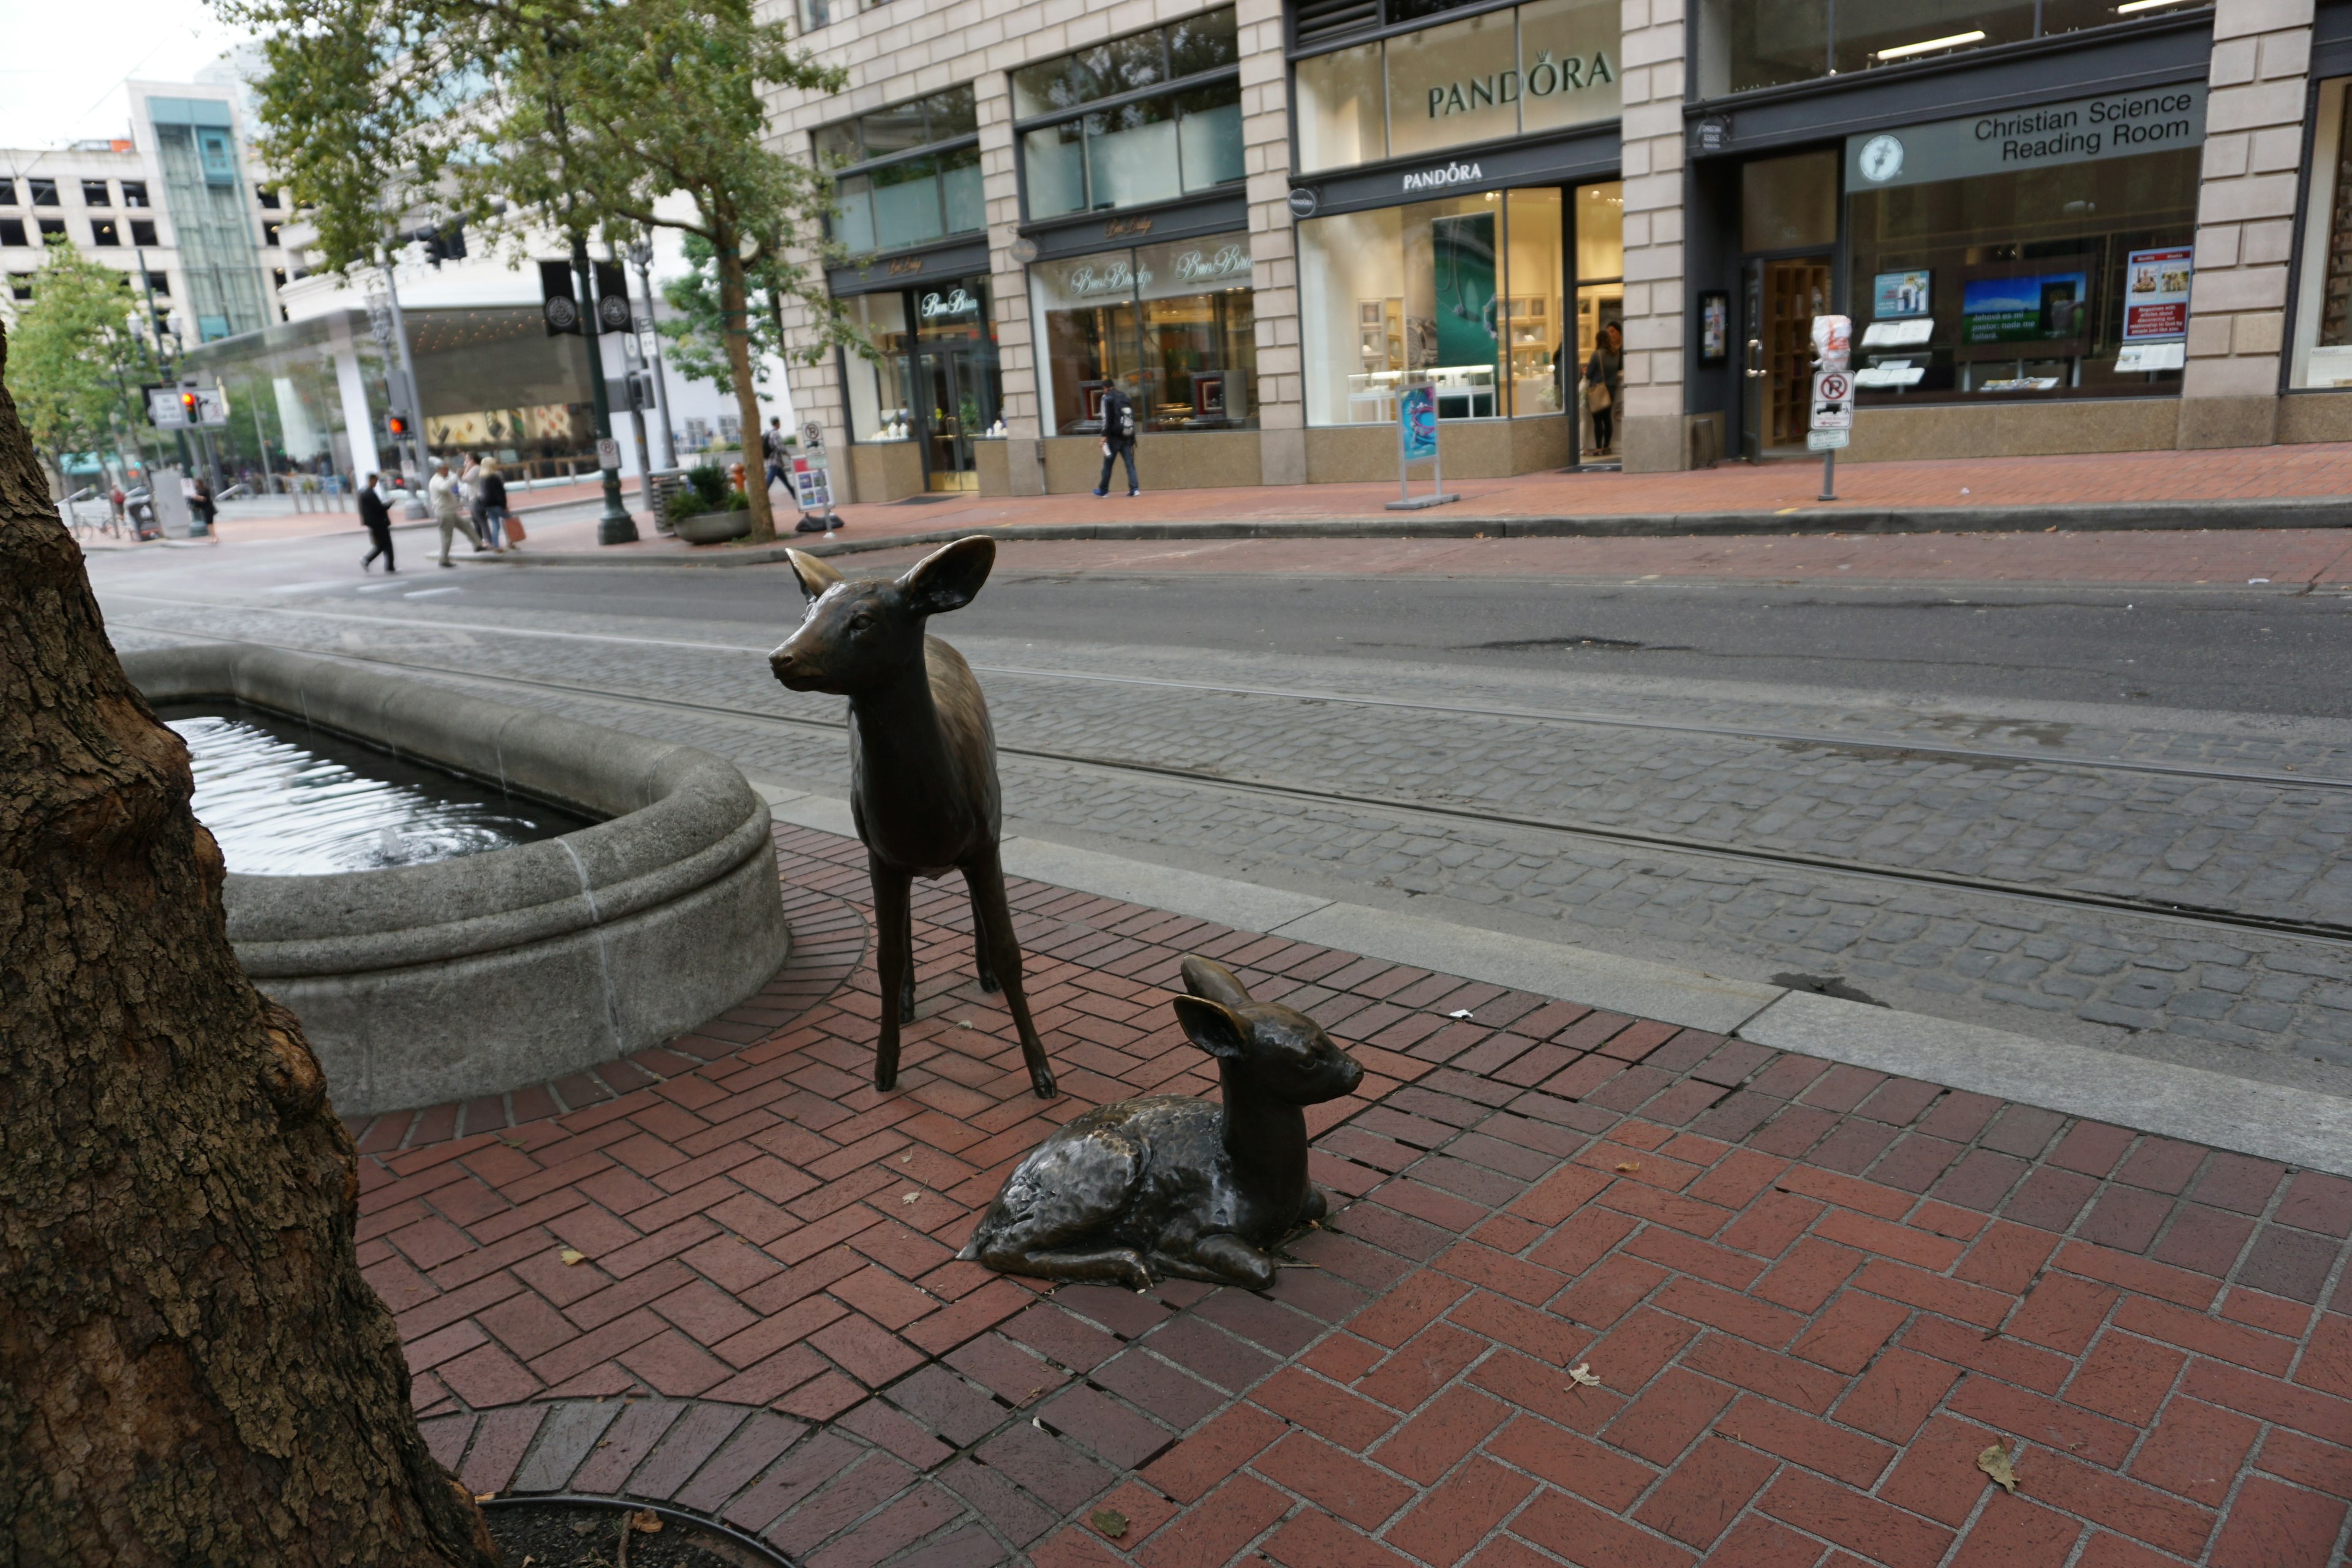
955 385
1780 298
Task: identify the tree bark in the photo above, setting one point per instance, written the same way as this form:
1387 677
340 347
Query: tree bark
735 326
192 1368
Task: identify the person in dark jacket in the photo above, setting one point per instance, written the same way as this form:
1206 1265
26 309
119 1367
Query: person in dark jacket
1118 423
1604 385
494 504
376 518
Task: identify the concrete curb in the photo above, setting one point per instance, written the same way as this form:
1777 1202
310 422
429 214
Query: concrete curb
2296 512
2297 1126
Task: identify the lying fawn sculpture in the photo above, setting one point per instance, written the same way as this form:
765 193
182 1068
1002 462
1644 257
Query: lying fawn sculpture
922 766
1143 1188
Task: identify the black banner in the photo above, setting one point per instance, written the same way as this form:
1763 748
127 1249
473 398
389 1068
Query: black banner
558 304
612 297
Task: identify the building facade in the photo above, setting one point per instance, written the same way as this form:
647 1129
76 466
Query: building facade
178 205
1600 227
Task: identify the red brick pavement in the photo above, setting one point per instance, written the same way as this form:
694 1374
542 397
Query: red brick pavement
1812 1296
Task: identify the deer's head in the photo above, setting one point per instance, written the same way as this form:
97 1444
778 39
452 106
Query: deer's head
1278 1051
857 636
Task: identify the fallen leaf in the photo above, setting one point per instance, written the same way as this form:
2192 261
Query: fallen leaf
906 1157
1628 1164
571 1257
911 1197
484 1497
1994 1462
1459 1012
1109 1520
645 1522
1581 1375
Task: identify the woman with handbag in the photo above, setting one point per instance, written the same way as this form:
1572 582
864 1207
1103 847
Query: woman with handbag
1604 377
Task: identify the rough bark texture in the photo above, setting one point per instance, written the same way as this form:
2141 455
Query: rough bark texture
735 321
192 1368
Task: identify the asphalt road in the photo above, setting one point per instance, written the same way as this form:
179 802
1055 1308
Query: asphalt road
1920 792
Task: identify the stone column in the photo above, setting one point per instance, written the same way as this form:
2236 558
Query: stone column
1008 286
2245 222
1651 421
1274 261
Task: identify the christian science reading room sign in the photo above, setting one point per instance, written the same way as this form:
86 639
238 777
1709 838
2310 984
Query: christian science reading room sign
2118 125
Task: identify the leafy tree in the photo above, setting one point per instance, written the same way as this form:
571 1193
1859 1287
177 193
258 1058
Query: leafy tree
571 114
76 357
698 335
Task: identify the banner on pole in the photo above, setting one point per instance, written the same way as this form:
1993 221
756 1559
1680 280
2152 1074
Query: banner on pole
1417 422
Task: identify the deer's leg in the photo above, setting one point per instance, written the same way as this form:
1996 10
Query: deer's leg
994 924
980 944
893 956
1223 1258
907 986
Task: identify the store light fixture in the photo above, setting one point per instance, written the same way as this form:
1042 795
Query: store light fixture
2129 7
1930 46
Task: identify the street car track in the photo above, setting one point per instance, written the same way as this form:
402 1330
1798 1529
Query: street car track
2169 911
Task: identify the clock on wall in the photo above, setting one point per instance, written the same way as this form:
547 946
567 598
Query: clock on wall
1881 160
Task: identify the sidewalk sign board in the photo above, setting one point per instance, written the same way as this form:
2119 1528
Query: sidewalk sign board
1417 442
1832 424
811 473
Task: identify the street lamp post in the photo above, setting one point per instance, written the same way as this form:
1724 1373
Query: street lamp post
632 356
614 526
399 345
641 257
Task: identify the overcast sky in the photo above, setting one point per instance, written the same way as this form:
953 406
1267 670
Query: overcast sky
61 77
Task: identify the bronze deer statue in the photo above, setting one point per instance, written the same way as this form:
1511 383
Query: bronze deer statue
922 766
1142 1188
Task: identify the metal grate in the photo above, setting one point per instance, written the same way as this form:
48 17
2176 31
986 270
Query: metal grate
1329 21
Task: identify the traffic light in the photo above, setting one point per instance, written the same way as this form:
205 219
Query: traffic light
398 425
641 391
189 410
442 242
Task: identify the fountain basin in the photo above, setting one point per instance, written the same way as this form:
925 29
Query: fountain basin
472 976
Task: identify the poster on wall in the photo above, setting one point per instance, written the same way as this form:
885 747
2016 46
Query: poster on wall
1463 264
2043 310
1714 327
1898 295
2156 294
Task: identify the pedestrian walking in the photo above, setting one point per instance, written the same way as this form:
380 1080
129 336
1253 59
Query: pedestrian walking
441 492
376 518
771 447
494 506
1118 423
1604 377
469 486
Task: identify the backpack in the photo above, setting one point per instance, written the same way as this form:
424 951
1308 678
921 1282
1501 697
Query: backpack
1124 413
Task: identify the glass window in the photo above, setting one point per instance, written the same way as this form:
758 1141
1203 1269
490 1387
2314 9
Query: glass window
1530 318
2065 281
45 193
1172 325
892 192
879 388
134 195
2321 353
93 193
1152 149
1785 204
12 231
143 231
160 283
262 193
1542 67
52 227
1343 110
8 191
1745 44
103 232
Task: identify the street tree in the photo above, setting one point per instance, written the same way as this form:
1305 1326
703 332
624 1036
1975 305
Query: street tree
192 1368
77 358
563 114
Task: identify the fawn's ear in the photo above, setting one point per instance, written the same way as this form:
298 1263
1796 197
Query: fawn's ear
1213 1026
948 577
1206 977
814 574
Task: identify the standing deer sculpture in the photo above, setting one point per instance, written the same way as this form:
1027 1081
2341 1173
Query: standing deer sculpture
922 766
1141 1188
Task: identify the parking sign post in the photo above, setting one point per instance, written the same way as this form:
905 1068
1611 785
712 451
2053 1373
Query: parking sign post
1832 424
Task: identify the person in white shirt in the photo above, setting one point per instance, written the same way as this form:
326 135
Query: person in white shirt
441 494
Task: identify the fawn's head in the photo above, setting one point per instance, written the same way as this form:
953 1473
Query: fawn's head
1283 1053
855 637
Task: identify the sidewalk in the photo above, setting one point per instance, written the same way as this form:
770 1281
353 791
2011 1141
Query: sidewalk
2284 487
1809 1299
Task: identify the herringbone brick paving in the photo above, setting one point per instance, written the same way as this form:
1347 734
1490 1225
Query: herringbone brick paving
1811 1295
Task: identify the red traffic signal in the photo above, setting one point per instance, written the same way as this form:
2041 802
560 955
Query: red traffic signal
399 424
188 408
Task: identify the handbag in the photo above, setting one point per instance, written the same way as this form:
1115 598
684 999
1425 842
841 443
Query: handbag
513 525
1596 398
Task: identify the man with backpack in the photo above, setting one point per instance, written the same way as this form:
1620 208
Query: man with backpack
1118 423
771 447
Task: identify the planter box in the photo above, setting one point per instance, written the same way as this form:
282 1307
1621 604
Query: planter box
713 527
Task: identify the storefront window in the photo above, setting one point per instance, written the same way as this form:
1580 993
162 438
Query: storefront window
1600 305
905 176
2070 280
1541 67
2321 355
1745 44
879 388
1143 146
1172 325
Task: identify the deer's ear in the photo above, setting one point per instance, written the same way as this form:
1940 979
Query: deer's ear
947 578
814 574
1206 977
1213 1026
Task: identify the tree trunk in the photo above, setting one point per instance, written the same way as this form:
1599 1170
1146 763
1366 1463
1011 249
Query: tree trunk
192 1368
735 326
